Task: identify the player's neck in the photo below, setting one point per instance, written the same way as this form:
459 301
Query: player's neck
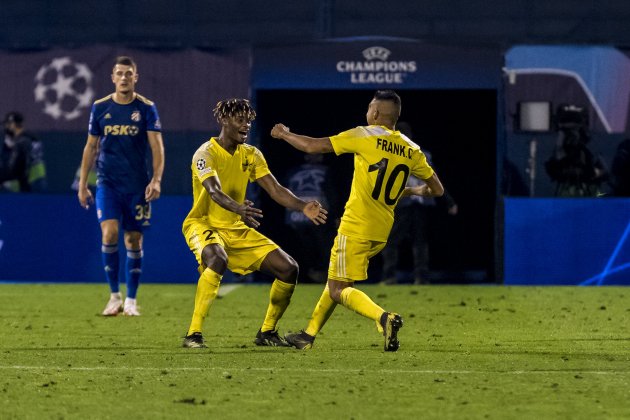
387 124
124 98
229 146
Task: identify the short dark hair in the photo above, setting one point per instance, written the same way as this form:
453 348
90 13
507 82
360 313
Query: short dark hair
125 61
14 117
233 107
387 95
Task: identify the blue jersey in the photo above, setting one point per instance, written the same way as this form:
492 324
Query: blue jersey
123 152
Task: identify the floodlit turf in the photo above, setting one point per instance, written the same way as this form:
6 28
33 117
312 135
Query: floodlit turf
466 352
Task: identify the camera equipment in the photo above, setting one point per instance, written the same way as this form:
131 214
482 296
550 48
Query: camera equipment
571 116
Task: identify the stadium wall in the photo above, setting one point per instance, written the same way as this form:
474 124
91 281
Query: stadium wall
546 241
571 241
50 238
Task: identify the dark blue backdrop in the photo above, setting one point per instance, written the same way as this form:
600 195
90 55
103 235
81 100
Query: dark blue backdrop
51 238
567 241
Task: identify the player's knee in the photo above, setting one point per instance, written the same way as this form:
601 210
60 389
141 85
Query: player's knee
334 291
109 231
216 261
110 237
133 243
335 295
290 271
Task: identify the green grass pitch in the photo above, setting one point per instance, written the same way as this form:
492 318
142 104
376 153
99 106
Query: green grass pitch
467 352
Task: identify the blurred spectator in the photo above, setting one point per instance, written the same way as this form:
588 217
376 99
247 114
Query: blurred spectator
22 167
91 179
577 171
412 218
620 170
310 181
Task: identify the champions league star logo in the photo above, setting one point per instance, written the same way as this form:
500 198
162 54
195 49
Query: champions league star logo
374 53
64 88
377 68
201 164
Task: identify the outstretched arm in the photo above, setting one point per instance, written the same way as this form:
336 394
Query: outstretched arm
248 213
283 196
304 143
431 188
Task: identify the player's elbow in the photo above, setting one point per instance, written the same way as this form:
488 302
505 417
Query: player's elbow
436 187
439 192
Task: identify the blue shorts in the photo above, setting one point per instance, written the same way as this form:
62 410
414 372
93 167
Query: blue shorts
132 210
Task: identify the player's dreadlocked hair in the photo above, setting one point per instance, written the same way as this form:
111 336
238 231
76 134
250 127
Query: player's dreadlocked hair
233 107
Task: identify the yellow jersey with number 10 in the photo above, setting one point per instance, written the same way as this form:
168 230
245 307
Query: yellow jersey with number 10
383 160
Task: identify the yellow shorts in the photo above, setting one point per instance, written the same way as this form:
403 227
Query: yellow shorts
349 258
246 248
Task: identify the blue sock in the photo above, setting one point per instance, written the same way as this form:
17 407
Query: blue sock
111 264
134 269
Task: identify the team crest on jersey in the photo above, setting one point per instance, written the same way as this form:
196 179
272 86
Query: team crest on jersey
201 164
135 116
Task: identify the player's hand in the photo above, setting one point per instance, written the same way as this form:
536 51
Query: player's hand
249 214
85 197
278 131
315 212
153 190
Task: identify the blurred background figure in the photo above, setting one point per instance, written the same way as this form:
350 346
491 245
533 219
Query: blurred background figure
412 219
310 181
91 178
620 170
575 169
22 167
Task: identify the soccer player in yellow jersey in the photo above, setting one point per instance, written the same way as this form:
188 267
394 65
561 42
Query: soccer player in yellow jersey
383 160
220 228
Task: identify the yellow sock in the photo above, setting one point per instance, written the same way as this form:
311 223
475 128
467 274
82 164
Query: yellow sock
323 310
361 303
207 289
279 298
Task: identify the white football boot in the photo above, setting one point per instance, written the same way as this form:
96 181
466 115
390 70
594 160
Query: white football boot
114 306
131 308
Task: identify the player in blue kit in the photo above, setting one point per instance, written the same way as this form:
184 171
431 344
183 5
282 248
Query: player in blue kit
123 127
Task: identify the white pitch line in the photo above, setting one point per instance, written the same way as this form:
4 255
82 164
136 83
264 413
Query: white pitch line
268 369
224 289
